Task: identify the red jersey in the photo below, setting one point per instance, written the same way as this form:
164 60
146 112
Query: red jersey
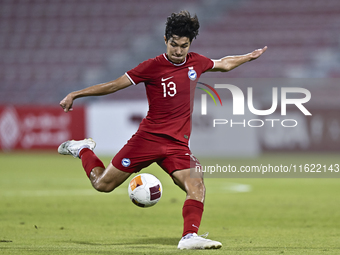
170 90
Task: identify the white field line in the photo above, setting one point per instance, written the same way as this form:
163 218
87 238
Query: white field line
48 193
229 187
238 187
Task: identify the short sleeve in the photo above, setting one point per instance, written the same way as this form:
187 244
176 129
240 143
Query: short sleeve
140 73
206 63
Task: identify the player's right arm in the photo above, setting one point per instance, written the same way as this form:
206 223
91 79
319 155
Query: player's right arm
96 90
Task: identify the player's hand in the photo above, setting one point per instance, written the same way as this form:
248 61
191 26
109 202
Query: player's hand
67 103
256 53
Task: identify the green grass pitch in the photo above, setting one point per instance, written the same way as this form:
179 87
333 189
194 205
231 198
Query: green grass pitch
47 206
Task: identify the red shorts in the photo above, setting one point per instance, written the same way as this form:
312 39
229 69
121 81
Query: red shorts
144 148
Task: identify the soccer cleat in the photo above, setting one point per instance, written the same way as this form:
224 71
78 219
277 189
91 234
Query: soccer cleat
74 147
195 242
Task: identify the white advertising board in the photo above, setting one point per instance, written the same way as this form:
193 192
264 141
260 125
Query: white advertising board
111 124
222 134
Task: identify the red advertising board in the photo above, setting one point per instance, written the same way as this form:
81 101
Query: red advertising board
39 127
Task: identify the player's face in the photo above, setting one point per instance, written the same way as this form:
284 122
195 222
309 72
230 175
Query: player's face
177 48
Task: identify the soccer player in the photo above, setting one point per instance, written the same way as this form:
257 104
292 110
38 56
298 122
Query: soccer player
164 133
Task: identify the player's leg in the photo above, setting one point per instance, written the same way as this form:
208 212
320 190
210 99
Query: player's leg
136 154
178 163
106 180
102 179
192 183
190 179
194 202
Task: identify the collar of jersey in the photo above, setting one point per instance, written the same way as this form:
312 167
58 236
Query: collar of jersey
164 55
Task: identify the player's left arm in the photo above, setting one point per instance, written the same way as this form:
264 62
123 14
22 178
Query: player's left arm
230 62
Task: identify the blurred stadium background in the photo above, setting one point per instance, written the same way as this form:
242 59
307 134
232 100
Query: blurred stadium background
49 48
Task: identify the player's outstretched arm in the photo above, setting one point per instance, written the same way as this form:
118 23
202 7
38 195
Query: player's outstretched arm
230 62
96 90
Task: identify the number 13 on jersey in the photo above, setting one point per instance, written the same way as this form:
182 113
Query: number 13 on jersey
169 89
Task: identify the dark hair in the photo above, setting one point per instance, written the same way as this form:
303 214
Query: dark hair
182 24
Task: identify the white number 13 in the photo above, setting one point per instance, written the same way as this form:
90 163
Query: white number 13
169 89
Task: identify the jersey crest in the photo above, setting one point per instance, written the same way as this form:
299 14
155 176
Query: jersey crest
126 162
192 74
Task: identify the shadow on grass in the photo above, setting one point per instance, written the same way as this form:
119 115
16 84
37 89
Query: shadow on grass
142 240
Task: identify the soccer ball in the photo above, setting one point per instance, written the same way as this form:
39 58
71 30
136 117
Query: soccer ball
145 190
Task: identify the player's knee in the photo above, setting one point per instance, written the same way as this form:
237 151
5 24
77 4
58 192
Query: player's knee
103 187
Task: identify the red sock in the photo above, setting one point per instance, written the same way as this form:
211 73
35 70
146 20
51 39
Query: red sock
192 214
89 160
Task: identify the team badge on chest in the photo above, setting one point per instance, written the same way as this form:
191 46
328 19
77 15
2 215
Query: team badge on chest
192 74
